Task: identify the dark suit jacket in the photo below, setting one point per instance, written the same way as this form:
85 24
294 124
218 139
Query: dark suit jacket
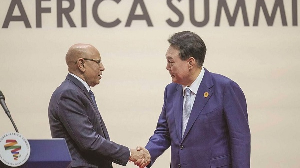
217 133
73 116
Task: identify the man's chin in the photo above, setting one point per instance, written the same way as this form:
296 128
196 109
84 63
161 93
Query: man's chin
94 84
174 80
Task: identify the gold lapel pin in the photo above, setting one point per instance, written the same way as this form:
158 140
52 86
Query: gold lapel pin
206 94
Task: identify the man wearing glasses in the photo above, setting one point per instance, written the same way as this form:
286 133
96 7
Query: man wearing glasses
73 115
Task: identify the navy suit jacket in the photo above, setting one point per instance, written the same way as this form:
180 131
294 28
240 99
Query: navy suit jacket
73 116
217 133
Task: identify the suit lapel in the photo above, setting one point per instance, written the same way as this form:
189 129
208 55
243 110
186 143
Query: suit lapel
177 107
84 90
204 93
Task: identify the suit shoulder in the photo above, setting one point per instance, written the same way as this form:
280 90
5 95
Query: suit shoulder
171 87
219 79
226 84
67 88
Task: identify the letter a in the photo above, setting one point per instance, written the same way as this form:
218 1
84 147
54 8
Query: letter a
133 16
9 16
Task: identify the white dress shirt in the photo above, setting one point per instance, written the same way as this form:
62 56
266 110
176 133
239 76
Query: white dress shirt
82 81
194 87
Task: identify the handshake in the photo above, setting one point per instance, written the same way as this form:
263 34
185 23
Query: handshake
140 156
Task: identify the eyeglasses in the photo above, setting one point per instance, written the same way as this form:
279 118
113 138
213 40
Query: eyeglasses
97 61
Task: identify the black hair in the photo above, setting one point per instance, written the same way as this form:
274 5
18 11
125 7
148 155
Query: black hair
189 45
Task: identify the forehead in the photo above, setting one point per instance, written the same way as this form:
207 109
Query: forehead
93 53
172 53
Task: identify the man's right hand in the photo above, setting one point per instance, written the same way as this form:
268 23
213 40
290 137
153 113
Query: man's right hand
140 156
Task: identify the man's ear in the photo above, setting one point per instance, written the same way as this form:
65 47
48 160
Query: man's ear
80 64
191 62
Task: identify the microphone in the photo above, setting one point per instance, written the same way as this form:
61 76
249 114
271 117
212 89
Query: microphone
2 101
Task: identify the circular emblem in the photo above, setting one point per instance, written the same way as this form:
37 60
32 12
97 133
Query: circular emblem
14 149
205 94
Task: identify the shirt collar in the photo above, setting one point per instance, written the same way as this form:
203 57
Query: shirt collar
82 81
195 85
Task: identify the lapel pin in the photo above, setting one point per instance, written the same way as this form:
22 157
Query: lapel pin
206 94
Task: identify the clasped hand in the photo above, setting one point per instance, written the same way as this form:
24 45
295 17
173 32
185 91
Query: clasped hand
140 156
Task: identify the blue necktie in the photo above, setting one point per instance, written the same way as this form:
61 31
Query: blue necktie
102 124
186 109
93 97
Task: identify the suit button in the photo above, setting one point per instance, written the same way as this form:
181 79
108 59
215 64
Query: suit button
181 147
179 166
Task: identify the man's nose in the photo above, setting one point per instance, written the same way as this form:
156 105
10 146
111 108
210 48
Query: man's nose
168 67
102 68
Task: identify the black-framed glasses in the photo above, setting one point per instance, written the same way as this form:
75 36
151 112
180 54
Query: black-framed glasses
97 61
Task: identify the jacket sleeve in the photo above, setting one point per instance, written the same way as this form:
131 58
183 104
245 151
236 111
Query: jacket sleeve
160 140
235 108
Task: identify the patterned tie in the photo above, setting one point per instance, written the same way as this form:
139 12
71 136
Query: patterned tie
93 97
186 109
102 124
